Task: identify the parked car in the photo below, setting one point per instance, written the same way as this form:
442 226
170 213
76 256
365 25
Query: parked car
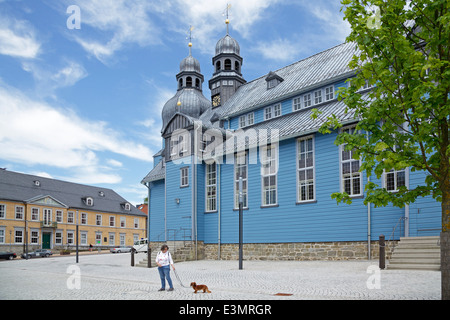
7 255
120 249
141 246
38 253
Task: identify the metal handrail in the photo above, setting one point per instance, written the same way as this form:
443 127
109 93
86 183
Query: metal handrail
393 231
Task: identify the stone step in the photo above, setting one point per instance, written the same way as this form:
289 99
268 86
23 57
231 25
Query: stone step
415 261
405 266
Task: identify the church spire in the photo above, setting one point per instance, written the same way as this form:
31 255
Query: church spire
189 37
227 14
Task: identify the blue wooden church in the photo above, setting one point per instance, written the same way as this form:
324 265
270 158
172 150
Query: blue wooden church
262 131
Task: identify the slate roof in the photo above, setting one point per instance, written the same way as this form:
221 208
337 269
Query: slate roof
21 187
157 173
299 77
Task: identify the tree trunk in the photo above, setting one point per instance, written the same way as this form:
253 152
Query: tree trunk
445 265
445 242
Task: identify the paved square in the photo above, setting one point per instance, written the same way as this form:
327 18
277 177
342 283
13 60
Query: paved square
110 276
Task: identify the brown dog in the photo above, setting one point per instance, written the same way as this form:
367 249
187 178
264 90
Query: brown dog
198 287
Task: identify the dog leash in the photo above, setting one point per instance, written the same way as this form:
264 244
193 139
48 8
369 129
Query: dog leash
178 278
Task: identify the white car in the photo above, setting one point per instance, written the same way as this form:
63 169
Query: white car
120 249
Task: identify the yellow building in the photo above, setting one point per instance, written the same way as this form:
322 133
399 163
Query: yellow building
37 212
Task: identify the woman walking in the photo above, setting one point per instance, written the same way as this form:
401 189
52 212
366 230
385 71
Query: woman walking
164 260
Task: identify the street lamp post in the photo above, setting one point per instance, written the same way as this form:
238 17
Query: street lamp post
241 205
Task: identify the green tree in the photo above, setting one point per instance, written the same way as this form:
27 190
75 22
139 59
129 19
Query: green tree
403 51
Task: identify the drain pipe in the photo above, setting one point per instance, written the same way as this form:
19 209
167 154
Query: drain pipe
369 254
218 193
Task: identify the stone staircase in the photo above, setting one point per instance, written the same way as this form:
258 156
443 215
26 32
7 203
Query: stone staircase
419 253
180 251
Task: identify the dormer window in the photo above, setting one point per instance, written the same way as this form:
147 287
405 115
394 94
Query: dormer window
126 206
273 80
89 201
37 183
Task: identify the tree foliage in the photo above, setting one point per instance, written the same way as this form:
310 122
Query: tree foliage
403 52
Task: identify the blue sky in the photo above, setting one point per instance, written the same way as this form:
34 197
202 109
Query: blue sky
84 105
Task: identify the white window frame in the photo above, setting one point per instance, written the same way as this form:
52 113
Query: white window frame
269 172
18 236
307 170
59 216
2 211
395 173
318 96
112 221
136 223
112 239
2 234
329 93
242 121
59 237
350 176
34 214
250 119
296 103
98 219
238 165
34 236
267 113
70 217
307 101
84 218
19 213
70 237
184 177
211 187
123 222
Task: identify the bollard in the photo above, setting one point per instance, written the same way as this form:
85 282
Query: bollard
132 257
382 263
149 256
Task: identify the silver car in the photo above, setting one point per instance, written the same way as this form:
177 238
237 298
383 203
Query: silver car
120 249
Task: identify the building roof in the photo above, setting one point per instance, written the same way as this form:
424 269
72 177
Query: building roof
157 173
27 188
299 77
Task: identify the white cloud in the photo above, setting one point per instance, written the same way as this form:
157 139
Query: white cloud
49 78
18 39
35 133
280 50
207 18
121 22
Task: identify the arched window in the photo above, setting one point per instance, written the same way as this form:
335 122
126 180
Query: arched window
236 66
180 83
227 64
188 82
217 66
197 83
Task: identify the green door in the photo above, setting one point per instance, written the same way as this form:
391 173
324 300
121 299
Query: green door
46 240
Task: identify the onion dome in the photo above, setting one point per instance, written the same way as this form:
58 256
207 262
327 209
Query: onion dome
190 102
227 45
190 64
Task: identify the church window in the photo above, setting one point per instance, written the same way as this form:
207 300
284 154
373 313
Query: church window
211 187
236 66
227 64
218 66
188 82
296 104
305 169
307 100
329 93
197 83
180 84
351 181
184 177
269 168
317 96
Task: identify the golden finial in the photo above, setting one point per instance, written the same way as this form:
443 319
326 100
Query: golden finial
227 14
189 37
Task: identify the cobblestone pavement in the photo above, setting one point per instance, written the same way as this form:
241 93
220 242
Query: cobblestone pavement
110 276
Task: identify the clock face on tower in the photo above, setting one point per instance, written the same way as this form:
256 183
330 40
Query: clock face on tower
216 100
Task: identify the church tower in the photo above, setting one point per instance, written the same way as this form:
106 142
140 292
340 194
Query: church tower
227 62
